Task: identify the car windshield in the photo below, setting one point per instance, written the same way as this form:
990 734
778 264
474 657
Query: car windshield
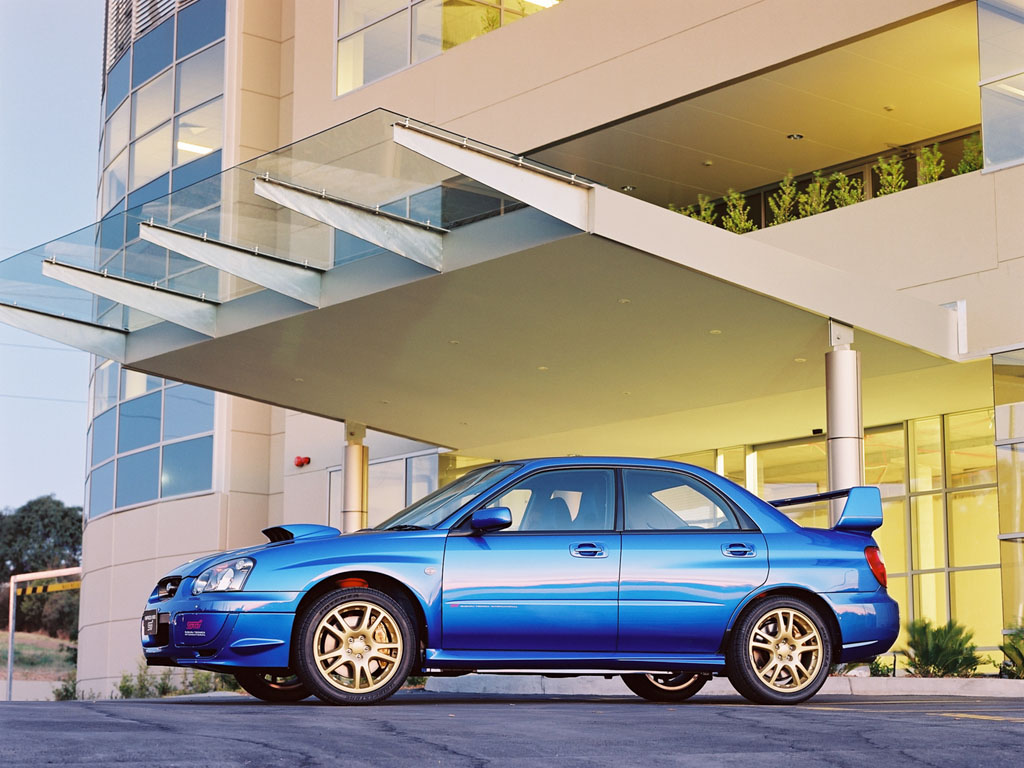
434 508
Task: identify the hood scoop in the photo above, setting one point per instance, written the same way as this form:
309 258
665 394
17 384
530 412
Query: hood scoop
300 531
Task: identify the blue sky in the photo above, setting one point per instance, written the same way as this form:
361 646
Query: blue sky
50 68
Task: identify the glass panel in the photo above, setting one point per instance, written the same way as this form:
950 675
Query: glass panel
702 459
199 132
115 135
973 528
140 423
975 600
794 469
386 494
892 536
1011 488
1002 120
111 237
188 410
195 171
421 477
930 597
970 453
200 24
927 533
450 467
115 182
200 78
151 105
101 490
134 383
137 477
898 591
153 52
925 455
1012 560
885 463
146 263
526 7
442 24
354 14
151 156
562 500
667 501
154 190
1008 394
373 53
734 464
117 83
187 467
103 432
1000 38
105 387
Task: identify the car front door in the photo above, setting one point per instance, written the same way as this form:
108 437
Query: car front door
547 583
687 563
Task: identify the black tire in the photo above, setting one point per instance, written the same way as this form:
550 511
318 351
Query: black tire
343 627
779 651
272 686
671 687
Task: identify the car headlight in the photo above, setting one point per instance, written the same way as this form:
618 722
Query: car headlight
228 576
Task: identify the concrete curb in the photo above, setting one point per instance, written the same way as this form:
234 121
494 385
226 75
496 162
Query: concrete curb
532 685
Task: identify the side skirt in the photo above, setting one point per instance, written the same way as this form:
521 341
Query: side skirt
538 662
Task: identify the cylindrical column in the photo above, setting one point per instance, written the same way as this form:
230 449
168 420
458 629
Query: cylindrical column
845 424
354 496
11 613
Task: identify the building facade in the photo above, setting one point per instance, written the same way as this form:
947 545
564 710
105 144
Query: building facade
669 104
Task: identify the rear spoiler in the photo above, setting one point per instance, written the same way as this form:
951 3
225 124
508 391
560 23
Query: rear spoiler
862 512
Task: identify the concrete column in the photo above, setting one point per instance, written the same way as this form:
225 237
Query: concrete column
845 424
354 501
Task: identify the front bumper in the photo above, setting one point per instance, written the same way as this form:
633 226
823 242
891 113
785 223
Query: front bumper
869 623
221 631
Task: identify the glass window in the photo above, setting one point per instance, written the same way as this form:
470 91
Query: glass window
668 501
187 467
892 536
421 477
151 156
152 105
925 455
1002 120
137 477
439 505
1000 38
930 597
975 601
105 387
927 532
199 132
188 411
562 500
200 78
146 194
1011 488
973 528
146 263
200 24
734 464
441 24
702 459
387 490
117 83
134 383
111 237
101 490
115 182
115 135
1011 554
970 453
898 591
197 170
139 423
103 432
153 52
373 53
1008 394
353 14
885 464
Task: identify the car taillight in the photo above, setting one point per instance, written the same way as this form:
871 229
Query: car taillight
877 565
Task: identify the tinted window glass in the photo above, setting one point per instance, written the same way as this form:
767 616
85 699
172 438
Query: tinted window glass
668 501
200 78
103 436
151 105
195 171
101 490
187 467
117 83
562 500
199 24
137 477
152 191
199 133
188 411
153 52
140 423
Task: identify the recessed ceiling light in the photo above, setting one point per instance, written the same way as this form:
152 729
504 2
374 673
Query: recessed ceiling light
628 188
384 402
542 368
298 379
625 301
794 136
799 359
627 393
715 332
708 163
453 341
888 107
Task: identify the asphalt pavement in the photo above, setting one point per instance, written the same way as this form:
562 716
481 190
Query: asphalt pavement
418 728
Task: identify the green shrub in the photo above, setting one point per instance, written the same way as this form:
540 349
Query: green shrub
704 211
816 197
890 175
1013 650
941 651
67 690
783 201
929 164
973 158
848 189
879 668
737 213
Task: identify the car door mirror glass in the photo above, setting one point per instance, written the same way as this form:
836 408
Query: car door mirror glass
491 519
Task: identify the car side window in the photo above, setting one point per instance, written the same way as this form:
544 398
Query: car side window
668 501
562 500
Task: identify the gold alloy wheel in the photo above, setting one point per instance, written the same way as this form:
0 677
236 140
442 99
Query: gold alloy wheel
673 682
357 647
785 650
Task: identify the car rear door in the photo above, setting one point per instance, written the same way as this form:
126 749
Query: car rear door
687 563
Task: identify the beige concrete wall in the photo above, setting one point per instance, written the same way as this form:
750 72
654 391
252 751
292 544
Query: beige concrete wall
580 64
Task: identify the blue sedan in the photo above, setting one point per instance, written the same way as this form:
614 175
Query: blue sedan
660 572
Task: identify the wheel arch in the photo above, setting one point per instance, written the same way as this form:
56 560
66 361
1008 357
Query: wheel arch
812 598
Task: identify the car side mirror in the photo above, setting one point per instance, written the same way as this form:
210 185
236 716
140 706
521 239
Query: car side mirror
491 519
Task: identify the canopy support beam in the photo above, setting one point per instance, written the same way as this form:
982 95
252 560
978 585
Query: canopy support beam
89 337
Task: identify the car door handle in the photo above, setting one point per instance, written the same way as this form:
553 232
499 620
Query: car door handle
738 549
587 549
